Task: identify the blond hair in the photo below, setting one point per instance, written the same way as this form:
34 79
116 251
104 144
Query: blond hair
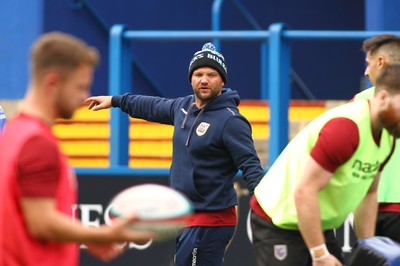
61 52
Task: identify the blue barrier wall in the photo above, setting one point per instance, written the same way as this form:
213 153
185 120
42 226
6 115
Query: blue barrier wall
20 24
329 69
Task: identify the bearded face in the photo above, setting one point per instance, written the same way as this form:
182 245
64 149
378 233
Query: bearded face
207 84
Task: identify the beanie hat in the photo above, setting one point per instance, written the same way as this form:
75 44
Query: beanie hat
208 57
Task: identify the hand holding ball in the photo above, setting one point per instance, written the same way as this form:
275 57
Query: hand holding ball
157 207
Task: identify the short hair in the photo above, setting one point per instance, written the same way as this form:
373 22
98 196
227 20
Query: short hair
388 43
62 52
389 79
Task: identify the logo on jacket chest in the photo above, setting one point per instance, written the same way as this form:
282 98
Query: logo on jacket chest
202 128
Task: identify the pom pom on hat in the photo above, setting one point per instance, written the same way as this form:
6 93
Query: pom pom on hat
208 56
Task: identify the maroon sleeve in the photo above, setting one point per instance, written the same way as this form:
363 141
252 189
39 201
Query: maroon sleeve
336 143
39 168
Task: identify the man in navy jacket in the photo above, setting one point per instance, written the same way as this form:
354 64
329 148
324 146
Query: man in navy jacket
211 142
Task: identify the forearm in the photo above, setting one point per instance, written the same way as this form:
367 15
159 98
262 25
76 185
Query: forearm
309 218
44 221
59 227
365 216
366 212
150 108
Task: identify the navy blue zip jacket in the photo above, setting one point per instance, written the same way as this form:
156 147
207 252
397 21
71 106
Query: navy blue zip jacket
209 145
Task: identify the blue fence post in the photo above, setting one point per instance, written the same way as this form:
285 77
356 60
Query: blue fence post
264 70
264 75
119 82
216 21
279 89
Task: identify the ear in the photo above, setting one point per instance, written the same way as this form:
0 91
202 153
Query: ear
50 82
384 98
382 61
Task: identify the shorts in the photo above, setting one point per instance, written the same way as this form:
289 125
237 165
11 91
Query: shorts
275 246
388 224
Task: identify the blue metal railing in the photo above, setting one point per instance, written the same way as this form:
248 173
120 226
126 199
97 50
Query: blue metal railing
119 69
216 26
279 64
216 18
276 39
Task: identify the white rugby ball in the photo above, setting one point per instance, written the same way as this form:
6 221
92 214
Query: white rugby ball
158 208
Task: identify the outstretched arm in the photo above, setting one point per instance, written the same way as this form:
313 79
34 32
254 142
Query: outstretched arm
98 102
150 108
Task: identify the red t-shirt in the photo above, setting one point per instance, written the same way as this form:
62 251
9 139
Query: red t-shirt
32 166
